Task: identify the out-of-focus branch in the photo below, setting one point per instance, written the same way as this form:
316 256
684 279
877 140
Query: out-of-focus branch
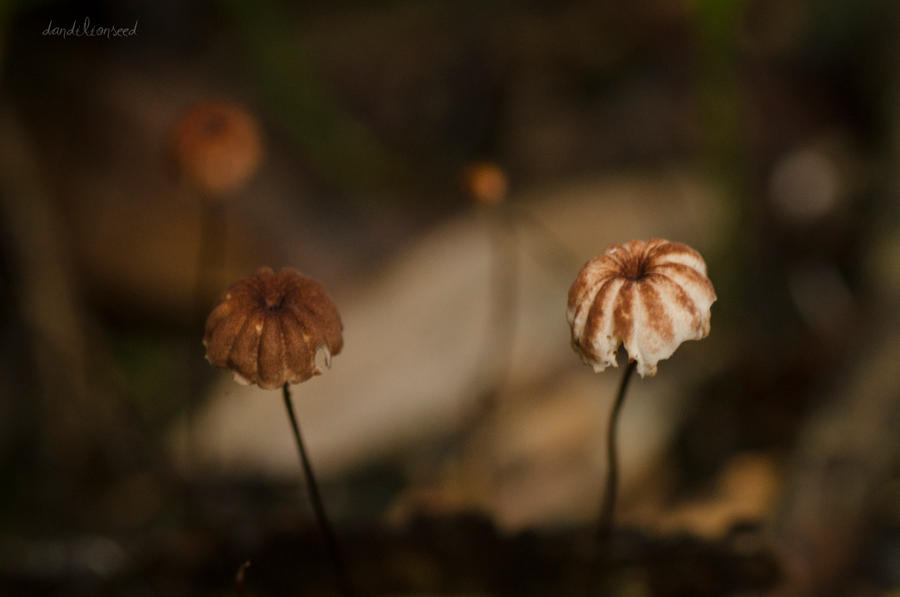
47 301
849 451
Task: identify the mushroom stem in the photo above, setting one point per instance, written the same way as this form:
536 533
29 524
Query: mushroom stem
208 266
503 306
604 527
557 253
210 257
607 507
331 543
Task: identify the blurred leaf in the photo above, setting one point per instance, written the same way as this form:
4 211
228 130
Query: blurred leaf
338 146
720 98
152 374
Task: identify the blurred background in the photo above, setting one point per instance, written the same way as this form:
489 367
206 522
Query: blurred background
458 439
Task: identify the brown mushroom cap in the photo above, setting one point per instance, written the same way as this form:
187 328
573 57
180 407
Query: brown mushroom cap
216 146
651 296
485 182
269 328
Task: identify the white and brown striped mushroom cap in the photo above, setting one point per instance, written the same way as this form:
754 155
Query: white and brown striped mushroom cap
269 328
651 296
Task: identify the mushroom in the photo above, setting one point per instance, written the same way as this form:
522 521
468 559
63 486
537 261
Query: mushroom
649 296
484 182
216 146
269 329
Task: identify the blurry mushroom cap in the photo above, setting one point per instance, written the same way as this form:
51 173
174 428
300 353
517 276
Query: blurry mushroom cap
216 146
651 296
270 329
485 182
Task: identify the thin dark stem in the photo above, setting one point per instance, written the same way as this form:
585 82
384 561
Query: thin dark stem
607 508
334 551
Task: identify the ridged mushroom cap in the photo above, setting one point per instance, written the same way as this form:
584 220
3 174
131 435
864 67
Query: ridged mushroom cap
269 328
216 146
651 296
